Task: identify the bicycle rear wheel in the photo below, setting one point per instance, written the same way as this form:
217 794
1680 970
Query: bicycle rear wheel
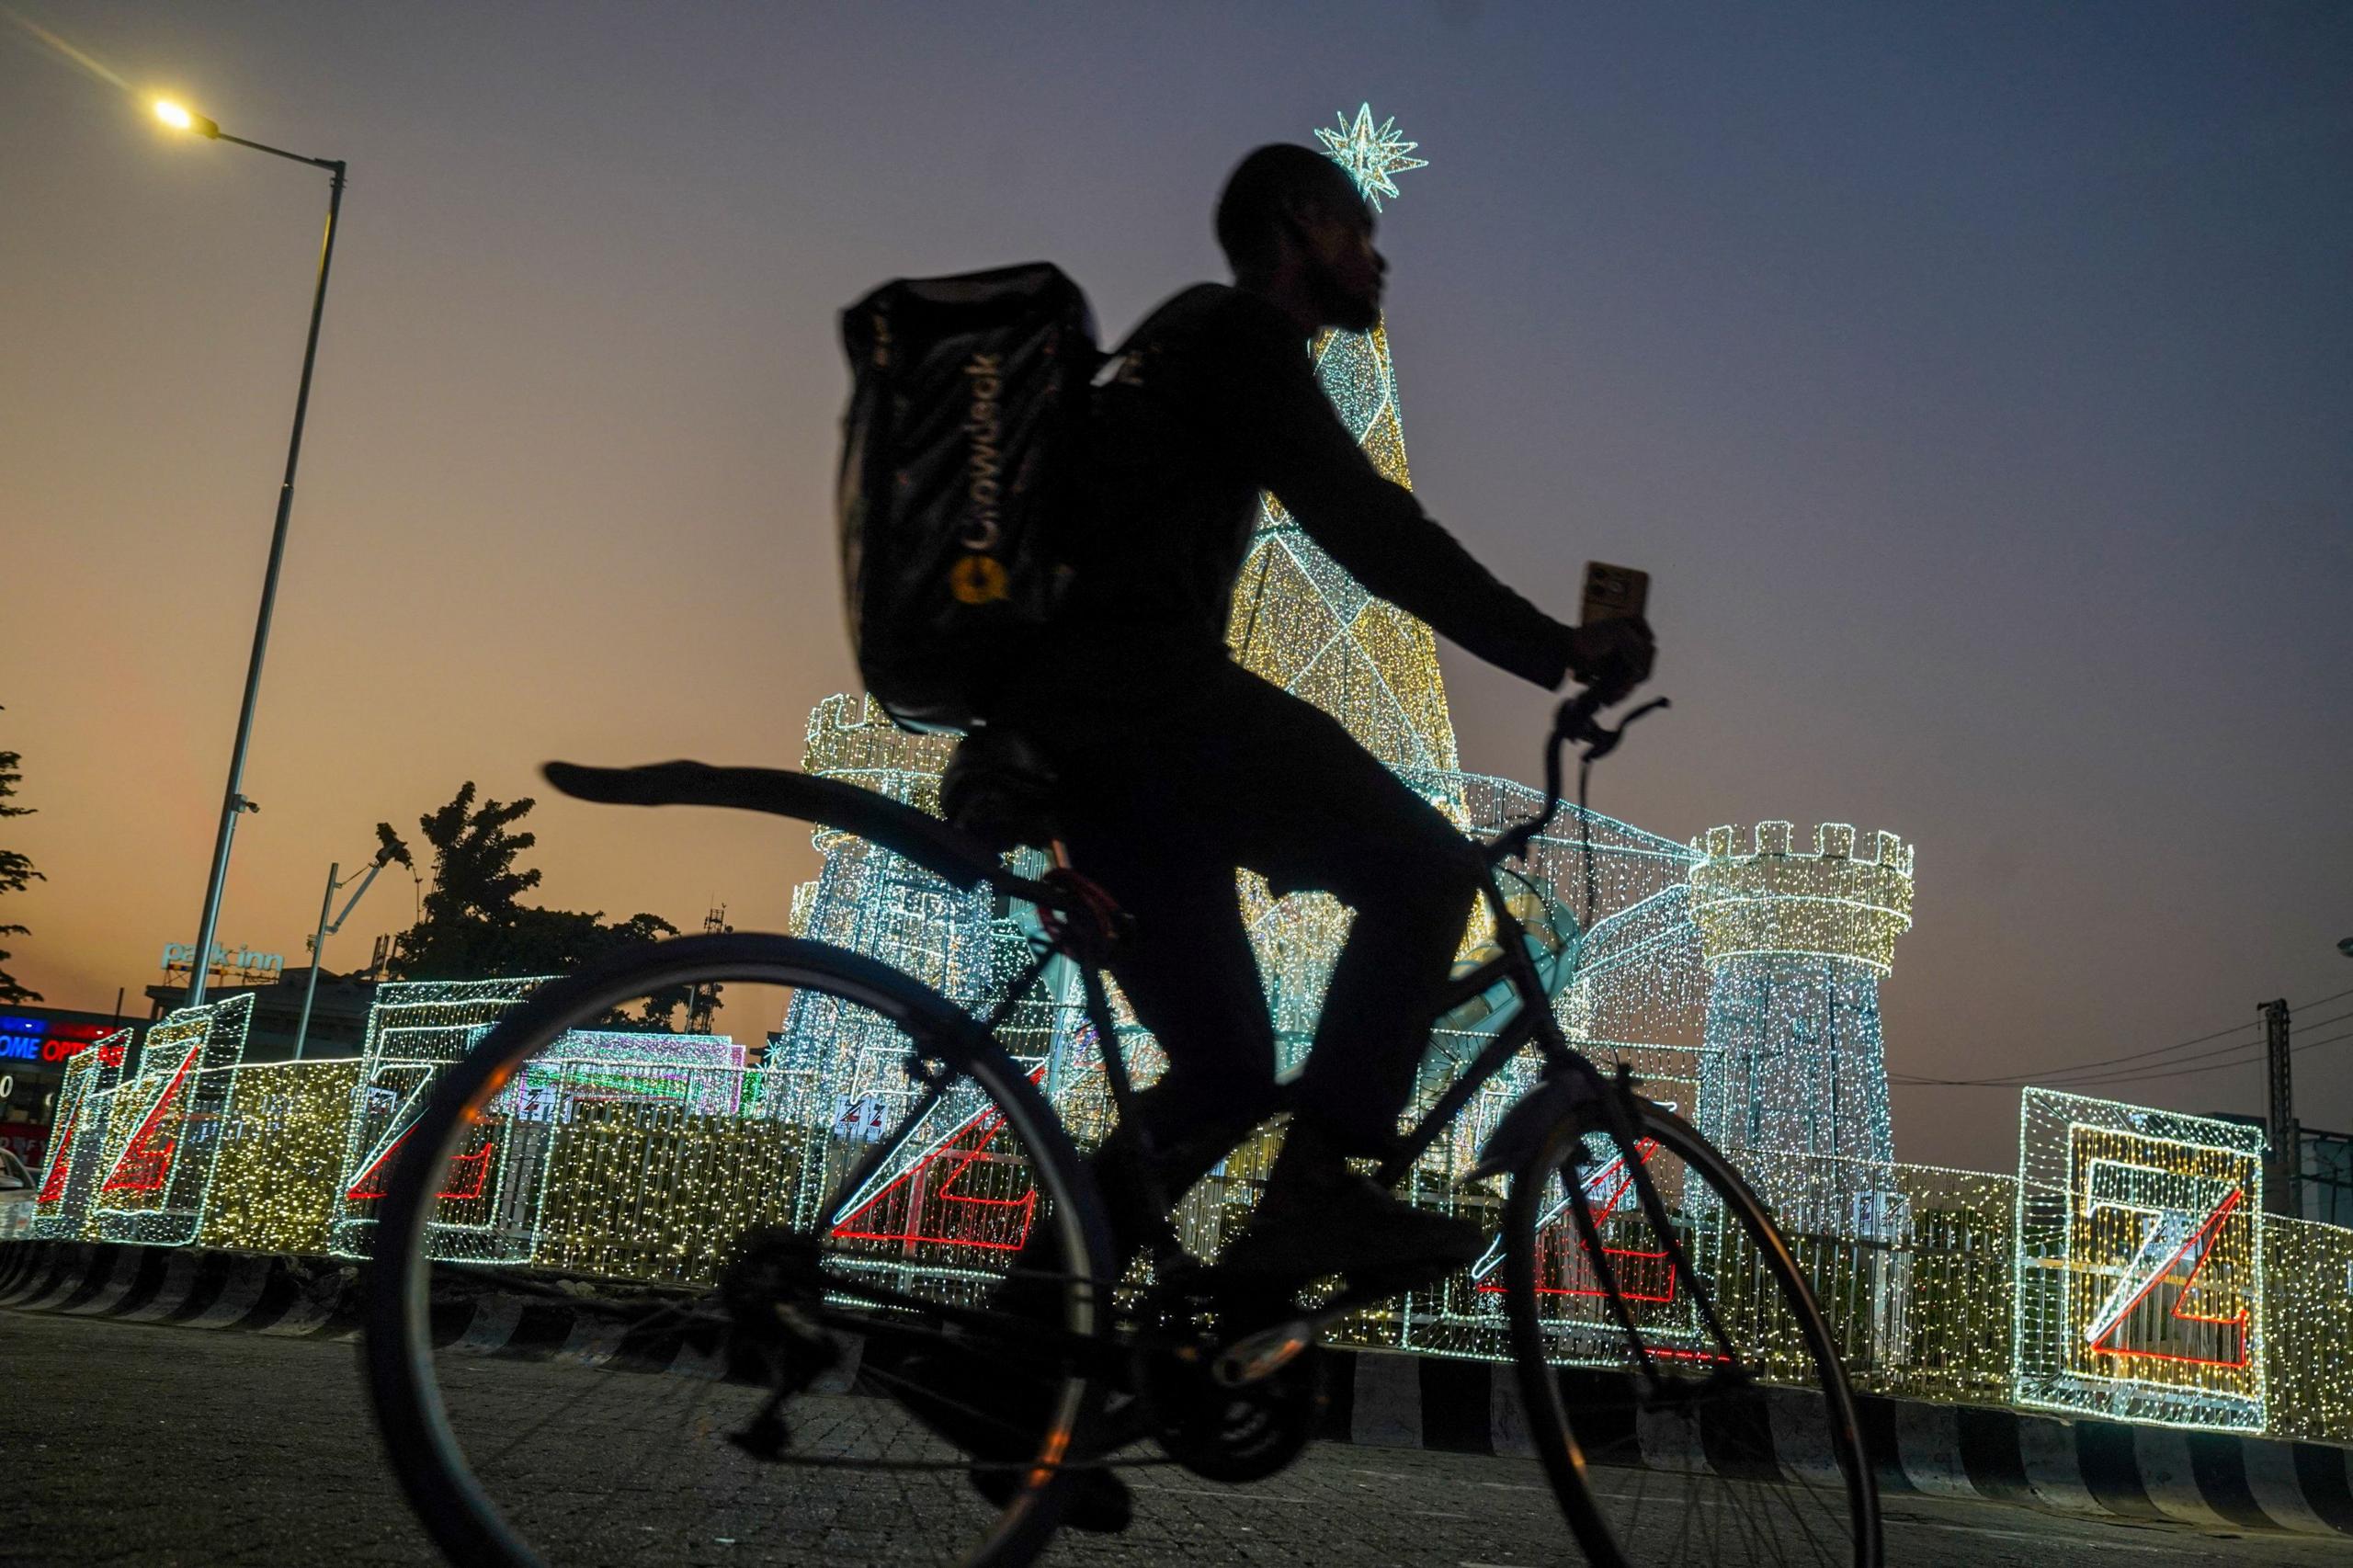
1697 1412
634 1301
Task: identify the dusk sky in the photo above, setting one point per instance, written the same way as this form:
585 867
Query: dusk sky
1976 381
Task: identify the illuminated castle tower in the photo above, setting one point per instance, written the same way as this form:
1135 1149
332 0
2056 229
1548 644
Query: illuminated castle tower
1796 943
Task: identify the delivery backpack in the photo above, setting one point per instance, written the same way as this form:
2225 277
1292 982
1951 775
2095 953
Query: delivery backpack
962 455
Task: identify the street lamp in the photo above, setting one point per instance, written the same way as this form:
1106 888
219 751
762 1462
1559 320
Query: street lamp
232 801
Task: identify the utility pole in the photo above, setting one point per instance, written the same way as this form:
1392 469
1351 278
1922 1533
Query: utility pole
704 1001
328 929
2283 1171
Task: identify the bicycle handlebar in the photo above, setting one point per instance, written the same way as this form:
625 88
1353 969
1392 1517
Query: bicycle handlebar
1576 720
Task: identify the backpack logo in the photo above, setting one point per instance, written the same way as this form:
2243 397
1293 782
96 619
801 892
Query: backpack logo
977 580
984 460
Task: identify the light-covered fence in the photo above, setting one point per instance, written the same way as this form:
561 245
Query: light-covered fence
2123 1269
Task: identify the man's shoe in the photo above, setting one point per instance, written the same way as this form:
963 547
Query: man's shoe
1341 1223
1099 1502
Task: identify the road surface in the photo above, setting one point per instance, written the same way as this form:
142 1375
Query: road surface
154 1445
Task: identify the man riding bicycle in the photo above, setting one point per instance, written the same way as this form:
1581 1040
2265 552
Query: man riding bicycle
1174 766
1171 766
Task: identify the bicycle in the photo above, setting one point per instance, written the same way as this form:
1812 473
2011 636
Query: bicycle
1650 1299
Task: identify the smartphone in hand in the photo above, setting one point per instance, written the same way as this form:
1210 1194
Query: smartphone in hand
1613 592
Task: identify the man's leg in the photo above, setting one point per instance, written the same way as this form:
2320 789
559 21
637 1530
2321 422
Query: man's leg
1191 974
1412 900
1327 814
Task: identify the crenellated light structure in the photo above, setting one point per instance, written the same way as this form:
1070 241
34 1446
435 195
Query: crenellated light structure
1797 941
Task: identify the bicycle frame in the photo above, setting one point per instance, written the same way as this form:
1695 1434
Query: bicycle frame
1531 1024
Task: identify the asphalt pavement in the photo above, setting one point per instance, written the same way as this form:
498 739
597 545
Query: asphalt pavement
125 1443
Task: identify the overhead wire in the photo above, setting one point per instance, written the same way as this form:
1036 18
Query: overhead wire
2193 1072
2238 1051
2060 1076
2127 1077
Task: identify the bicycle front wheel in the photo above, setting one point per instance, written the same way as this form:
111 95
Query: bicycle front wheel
636 1300
1681 1386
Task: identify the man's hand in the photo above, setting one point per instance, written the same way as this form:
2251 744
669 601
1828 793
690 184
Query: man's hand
1612 657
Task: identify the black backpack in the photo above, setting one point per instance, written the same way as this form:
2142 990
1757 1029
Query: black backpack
963 454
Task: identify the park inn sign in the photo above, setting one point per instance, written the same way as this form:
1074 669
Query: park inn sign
177 954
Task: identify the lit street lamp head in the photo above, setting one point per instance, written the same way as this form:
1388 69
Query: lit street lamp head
179 118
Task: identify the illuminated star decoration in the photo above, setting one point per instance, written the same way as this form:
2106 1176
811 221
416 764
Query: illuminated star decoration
1371 154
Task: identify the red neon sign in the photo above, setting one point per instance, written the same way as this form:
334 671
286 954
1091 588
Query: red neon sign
1581 1268
153 1156
939 1214
2201 1241
474 1167
53 1187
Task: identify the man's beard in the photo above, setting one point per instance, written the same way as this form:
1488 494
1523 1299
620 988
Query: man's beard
1349 313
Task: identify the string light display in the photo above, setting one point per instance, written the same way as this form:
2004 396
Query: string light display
2308 1306
84 1101
1370 154
414 1029
659 1190
2139 1263
2122 1270
615 1065
273 1182
1797 942
161 1126
873 901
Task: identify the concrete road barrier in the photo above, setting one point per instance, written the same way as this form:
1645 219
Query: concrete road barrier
2087 1468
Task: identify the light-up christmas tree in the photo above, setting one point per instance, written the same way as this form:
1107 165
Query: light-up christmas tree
1301 622
1298 620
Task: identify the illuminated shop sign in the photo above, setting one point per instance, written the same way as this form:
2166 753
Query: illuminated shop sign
26 1039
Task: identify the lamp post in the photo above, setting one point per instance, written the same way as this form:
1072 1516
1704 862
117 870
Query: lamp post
233 801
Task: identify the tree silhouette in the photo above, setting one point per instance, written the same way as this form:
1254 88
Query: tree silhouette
16 870
474 924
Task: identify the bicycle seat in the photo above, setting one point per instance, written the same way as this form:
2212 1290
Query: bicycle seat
1001 790
902 829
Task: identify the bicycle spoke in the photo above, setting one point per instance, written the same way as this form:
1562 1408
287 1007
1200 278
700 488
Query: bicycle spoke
1688 1354
861 1272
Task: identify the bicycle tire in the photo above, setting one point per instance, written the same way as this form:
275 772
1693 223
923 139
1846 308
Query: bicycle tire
398 1350
1730 1465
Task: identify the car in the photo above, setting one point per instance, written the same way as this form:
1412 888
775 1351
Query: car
17 1188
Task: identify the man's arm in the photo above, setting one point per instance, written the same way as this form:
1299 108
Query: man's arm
1291 440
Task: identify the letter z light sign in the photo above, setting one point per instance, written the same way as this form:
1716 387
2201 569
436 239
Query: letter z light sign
2151 1310
2139 1276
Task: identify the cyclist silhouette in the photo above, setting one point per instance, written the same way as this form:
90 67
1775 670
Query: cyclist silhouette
1172 765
